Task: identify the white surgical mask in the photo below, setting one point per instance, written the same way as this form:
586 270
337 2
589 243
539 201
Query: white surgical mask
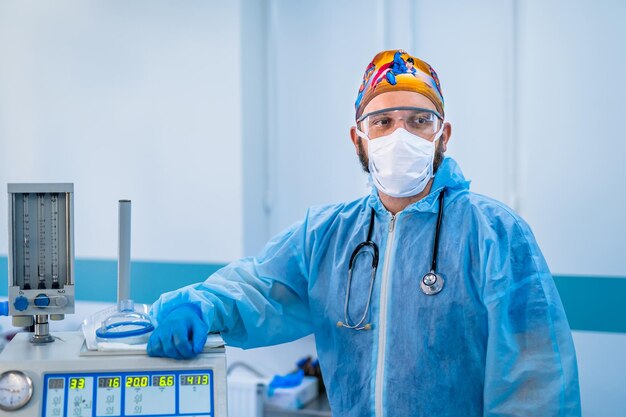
401 164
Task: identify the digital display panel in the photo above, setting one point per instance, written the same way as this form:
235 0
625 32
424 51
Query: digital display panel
163 381
167 393
109 382
196 379
77 383
56 383
140 381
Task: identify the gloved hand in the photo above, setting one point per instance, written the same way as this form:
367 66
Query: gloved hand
181 335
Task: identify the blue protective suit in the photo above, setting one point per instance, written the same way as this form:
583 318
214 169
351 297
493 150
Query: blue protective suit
494 342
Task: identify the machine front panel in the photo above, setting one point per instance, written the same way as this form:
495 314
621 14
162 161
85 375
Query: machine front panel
137 393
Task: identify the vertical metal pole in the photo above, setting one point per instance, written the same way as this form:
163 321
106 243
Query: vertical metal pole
123 261
42 330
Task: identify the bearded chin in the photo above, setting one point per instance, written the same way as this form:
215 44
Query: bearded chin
364 160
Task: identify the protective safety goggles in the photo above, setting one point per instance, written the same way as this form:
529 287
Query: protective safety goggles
421 122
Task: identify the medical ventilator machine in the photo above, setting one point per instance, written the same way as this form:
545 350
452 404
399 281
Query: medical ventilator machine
58 375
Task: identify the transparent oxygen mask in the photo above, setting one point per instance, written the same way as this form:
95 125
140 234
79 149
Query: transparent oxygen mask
127 325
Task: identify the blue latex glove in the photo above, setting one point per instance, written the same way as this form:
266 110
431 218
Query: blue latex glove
286 381
181 335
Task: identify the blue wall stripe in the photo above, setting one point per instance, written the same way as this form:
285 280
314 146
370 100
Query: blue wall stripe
594 303
591 303
97 279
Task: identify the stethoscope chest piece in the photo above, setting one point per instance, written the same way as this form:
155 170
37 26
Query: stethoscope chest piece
431 283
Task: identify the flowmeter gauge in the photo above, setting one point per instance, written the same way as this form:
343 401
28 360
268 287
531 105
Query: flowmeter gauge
41 255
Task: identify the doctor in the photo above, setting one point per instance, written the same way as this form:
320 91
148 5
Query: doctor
484 334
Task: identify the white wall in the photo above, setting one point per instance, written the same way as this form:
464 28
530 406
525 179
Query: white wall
601 370
136 100
571 89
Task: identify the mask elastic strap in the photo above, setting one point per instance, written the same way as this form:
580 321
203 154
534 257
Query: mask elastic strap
362 135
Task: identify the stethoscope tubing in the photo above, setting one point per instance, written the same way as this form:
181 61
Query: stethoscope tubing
433 263
347 323
346 314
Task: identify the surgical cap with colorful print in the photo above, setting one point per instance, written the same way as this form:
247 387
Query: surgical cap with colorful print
396 70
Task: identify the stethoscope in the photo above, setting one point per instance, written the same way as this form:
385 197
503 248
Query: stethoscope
430 284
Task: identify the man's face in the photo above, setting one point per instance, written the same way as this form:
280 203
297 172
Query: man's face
399 99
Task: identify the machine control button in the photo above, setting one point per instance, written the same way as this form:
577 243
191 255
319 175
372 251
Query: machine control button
60 301
20 303
42 300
